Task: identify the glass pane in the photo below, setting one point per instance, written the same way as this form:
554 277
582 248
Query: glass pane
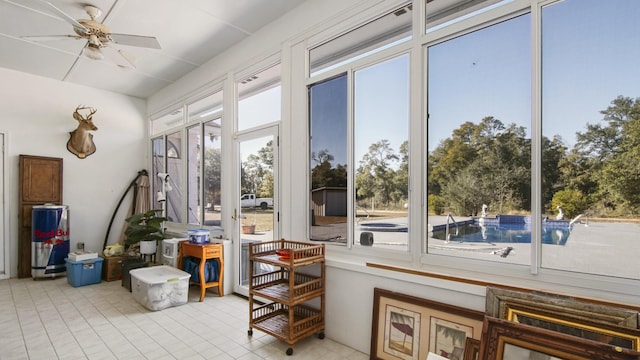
174 169
328 159
168 121
591 129
379 34
193 175
381 145
207 108
256 200
442 13
259 99
212 172
157 166
479 160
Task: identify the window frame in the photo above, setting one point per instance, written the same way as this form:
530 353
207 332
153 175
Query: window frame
183 128
525 275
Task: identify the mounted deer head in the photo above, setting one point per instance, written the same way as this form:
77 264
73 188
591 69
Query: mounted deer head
81 141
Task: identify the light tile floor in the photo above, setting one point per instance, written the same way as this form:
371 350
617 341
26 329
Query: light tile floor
49 319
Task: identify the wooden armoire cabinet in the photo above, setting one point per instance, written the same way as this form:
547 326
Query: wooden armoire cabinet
40 182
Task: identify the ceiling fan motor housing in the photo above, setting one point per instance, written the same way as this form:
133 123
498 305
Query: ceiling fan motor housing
101 32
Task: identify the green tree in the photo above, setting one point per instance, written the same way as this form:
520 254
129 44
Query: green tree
324 174
604 161
621 174
554 153
374 173
573 202
485 163
212 183
257 172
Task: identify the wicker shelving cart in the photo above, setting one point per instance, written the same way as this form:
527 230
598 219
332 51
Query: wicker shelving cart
295 299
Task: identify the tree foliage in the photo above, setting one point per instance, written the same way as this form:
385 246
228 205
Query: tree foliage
257 172
489 163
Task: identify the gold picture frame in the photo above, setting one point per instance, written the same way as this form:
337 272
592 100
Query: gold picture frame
406 327
606 324
498 300
504 340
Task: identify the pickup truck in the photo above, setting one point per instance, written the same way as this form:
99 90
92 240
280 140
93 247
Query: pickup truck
250 200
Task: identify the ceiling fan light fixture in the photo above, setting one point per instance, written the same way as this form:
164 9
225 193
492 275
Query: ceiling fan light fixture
92 53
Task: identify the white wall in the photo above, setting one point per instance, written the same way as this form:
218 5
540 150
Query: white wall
36 114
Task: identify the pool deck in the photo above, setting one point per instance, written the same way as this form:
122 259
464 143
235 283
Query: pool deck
608 248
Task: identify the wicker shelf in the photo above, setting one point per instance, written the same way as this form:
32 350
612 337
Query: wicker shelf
289 317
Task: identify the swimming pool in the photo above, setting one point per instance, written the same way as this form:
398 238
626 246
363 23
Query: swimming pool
555 234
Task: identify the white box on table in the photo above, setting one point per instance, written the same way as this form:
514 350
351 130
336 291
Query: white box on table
171 247
82 255
160 287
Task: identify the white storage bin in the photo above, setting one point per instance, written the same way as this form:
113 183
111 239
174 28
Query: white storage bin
171 247
160 287
170 261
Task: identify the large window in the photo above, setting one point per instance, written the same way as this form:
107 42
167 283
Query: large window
591 135
359 142
328 143
479 143
381 154
190 145
484 116
175 162
259 99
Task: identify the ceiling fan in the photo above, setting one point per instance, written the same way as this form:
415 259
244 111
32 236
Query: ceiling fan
100 39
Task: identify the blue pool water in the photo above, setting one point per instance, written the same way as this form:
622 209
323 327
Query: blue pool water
501 233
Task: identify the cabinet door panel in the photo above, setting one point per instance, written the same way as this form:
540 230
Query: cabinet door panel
42 180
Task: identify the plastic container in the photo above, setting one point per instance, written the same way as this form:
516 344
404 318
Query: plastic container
170 261
85 272
171 247
160 287
127 266
199 236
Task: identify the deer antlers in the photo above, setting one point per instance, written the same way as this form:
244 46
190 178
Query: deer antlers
81 141
78 116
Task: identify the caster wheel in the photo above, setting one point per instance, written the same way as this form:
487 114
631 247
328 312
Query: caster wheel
321 336
289 351
250 332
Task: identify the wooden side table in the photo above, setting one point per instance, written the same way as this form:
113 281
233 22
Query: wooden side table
204 252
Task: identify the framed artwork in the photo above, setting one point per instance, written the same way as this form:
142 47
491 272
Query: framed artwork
605 324
499 300
471 349
505 340
406 327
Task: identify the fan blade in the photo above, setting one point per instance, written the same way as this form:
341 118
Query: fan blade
136 40
68 18
120 58
50 37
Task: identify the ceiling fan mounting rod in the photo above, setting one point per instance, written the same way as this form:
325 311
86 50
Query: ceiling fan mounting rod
93 11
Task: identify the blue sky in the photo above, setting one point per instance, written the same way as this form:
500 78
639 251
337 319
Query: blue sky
590 55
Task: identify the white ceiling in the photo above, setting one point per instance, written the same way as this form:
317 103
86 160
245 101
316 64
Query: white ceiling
190 32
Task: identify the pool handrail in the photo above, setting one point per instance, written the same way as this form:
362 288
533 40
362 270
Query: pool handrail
447 234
